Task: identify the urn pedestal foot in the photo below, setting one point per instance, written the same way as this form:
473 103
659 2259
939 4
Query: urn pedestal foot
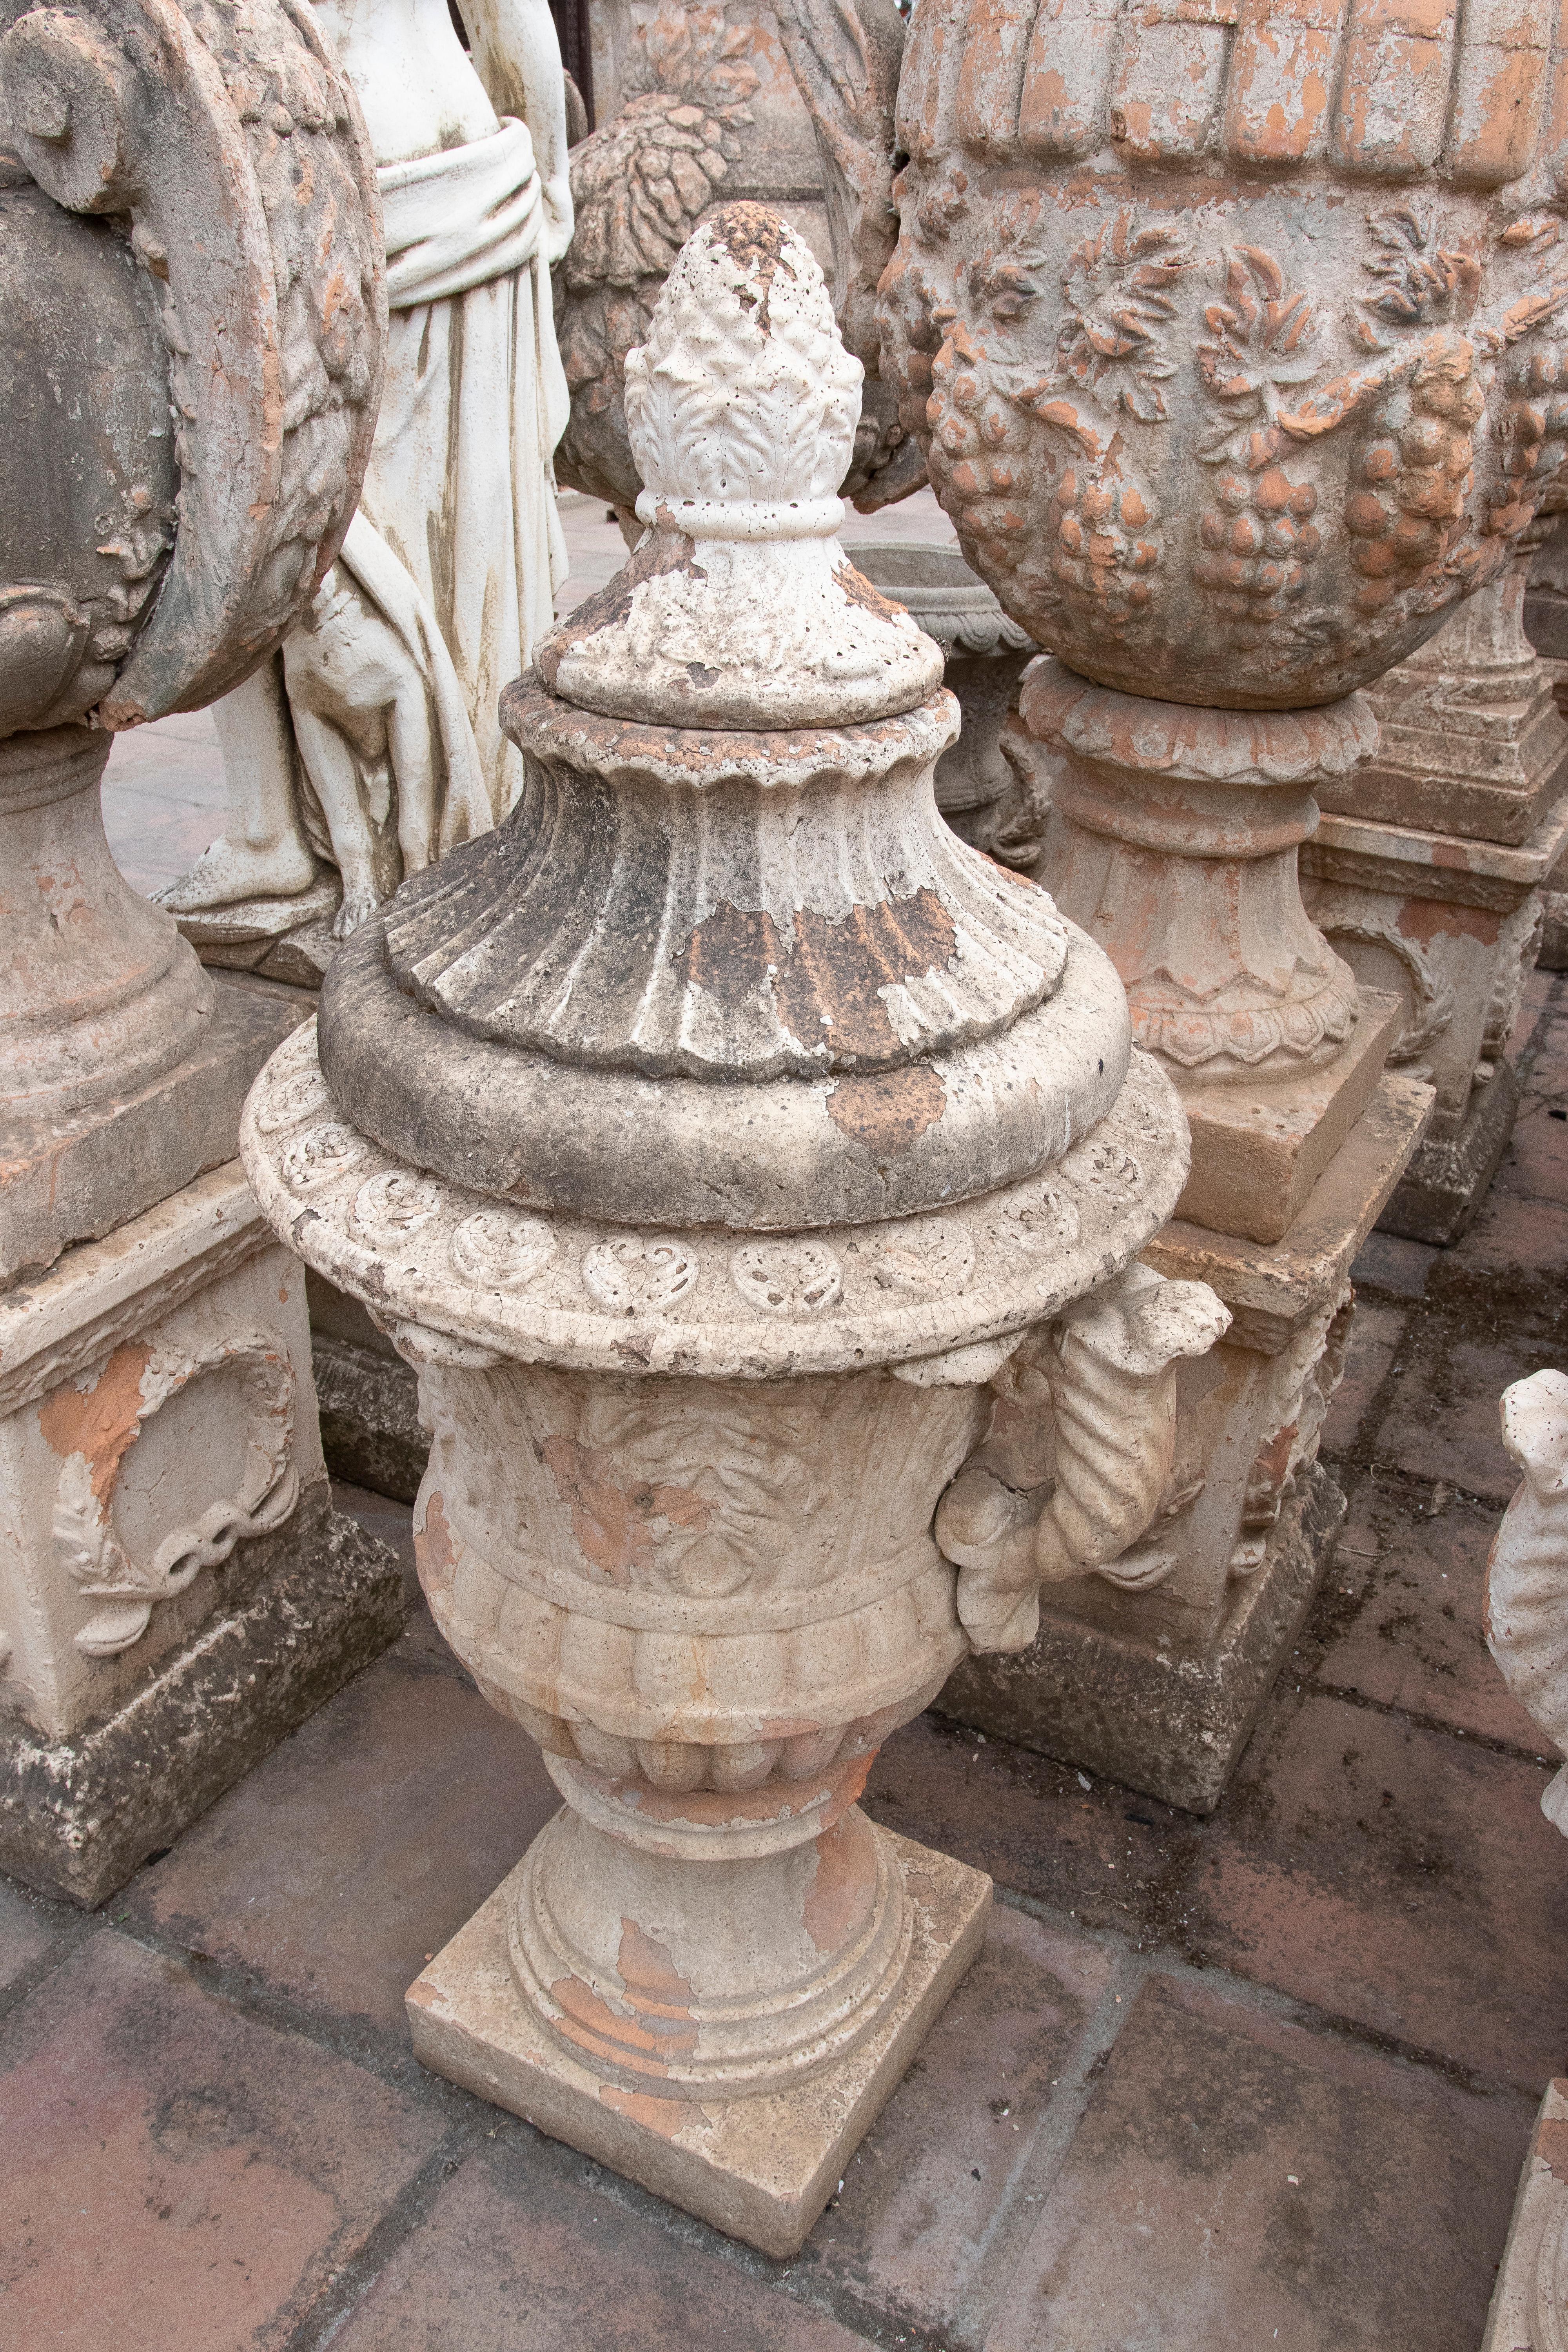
1258 1150
1172 839
760 2168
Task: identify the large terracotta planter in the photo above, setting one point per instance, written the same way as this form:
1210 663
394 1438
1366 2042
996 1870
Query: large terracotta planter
1238 344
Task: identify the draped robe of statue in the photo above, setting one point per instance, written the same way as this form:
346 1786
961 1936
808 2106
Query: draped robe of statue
372 742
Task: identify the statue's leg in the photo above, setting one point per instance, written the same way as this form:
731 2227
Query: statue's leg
329 764
264 853
409 726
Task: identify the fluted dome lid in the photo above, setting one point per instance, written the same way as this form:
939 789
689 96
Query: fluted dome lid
724 964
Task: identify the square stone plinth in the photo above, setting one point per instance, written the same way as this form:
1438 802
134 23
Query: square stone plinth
1530 2275
1259 1149
1170 1725
759 2168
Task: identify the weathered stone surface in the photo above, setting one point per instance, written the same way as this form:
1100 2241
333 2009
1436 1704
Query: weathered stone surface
1529 2303
1257 1155
1323 500
155 1412
174 1593
679 1513
78 1816
1452 925
369 1405
1471 741
1170 1721
74 1179
976 789
761 2166
1155 1668
268 289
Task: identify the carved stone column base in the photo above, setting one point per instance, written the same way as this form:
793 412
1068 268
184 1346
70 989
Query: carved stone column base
1449 1177
1449 926
760 2168
1529 2302
1258 1151
319 1600
1152 1670
1172 840
175 1594
74 1180
1169 1725
1471 741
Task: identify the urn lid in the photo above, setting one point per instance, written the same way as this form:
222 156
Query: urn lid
724 964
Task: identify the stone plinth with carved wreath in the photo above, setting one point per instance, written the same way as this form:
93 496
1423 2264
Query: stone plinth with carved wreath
1235 347
190 233
753 1170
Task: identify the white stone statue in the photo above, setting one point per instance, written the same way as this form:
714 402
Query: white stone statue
372 743
1527 1633
1527 1573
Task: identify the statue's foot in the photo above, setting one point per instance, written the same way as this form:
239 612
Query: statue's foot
360 902
230 871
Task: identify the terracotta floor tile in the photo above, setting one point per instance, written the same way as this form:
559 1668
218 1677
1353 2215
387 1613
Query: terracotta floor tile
1442 1418
1407 1631
936 2183
1388 1262
1400 1877
1514 1231
27 1930
1534 1005
361 1843
1536 1160
515 2258
1086 1846
1375 1335
1238 2184
174 2177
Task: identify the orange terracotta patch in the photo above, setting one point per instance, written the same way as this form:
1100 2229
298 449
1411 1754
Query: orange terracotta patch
614 1525
434 1551
100 1422
837 1890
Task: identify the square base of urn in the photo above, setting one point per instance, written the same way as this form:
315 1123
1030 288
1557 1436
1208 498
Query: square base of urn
760 2169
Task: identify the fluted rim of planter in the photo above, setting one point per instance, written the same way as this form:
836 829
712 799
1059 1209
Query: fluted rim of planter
1235 348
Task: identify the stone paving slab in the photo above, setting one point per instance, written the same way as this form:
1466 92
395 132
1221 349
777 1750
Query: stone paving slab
361 1844
174 2173
509 2261
1411 1638
1237 2183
